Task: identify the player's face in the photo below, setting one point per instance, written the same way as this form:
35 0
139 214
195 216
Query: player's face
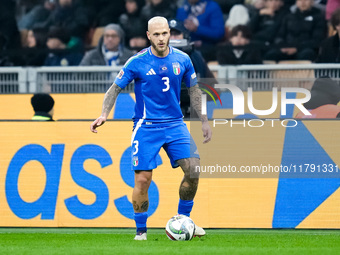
159 36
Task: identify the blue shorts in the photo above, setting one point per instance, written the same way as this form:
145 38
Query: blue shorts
147 140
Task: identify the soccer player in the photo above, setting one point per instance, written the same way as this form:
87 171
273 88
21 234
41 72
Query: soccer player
158 72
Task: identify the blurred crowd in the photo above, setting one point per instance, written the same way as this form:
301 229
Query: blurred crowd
106 32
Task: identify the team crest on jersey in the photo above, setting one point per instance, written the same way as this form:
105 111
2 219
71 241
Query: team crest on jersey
120 75
135 161
176 68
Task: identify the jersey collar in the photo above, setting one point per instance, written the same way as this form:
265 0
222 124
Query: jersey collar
150 52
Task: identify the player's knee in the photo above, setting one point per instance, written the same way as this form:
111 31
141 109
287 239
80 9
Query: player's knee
191 179
189 163
143 180
190 167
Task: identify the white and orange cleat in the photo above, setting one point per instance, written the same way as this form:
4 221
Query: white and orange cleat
141 236
199 231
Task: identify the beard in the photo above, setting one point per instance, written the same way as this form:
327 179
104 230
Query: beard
159 50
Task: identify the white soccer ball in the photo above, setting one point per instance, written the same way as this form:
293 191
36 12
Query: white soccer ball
180 228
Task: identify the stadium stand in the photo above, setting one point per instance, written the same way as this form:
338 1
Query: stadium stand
96 79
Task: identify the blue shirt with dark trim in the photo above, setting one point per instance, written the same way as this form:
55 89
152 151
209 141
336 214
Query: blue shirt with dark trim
157 83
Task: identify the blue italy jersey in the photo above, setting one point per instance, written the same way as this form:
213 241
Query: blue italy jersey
157 83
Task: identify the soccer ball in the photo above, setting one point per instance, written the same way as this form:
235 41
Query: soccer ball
180 228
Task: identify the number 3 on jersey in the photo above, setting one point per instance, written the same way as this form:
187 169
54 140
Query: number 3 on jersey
167 84
136 143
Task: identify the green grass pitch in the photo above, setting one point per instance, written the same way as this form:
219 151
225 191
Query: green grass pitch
96 241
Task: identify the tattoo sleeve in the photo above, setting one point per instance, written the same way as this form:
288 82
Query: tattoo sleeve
196 101
110 99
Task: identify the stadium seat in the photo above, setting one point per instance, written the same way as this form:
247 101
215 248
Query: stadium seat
295 77
98 32
302 62
268 62
213 63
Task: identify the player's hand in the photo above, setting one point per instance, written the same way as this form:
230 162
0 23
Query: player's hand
207 133
97 123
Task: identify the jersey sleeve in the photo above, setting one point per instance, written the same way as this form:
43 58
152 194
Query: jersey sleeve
190 78
126 74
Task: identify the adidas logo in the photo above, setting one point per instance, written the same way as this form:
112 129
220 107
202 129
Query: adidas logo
151 72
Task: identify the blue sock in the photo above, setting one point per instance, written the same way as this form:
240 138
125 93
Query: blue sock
140 219
185 206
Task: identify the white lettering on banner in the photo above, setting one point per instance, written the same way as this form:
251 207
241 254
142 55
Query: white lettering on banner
238 100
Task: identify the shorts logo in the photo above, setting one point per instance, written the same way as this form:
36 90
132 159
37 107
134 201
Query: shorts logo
120 75
135 161
193 76
176 68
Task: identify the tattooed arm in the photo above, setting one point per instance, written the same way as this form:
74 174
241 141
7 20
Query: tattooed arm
109 100
196 102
